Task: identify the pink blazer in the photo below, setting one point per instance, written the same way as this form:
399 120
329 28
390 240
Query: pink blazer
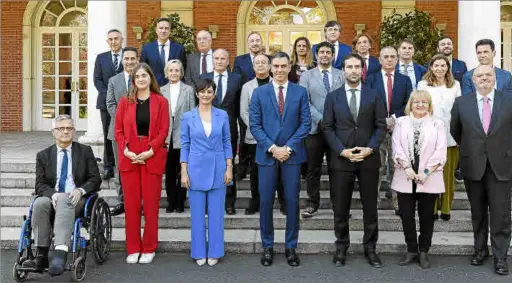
433 152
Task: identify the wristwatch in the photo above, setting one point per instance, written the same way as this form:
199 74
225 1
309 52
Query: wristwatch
426 171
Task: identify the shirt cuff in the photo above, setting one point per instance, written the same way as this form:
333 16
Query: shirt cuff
82 190
290 150
271 148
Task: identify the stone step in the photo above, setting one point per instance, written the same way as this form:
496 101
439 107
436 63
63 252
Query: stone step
310 242
23 197
388 221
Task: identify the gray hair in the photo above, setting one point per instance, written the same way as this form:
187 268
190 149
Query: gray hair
168 65
222 49
61 117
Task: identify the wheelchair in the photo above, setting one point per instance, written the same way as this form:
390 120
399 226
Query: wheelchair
96 220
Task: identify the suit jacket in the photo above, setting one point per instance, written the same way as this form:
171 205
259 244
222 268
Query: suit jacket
269 128
103 71
341 131
432 154
293 76
84 167
116 90
343 50
243 67
193 73
419 71
402 88
373 66
245 100
312 80
186 102
126 133
477 148
151 55
503 81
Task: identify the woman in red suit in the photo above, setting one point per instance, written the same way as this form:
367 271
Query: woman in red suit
142 124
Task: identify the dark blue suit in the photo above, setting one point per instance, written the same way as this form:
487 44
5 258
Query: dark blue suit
151 55
503 81
343 50
269 128
419 71
402 88
243 67
373 66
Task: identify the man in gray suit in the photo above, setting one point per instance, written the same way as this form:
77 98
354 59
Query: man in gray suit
318 82
118 86
200 62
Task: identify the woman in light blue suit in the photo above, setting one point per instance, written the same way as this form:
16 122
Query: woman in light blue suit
206 168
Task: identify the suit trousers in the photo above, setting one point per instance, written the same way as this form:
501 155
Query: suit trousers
231 190
342 187
176 194
119 189
215 199
267 183
316 148
444 202
108 152
490 204
244 159
387 166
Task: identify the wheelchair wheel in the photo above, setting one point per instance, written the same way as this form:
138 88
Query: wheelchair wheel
101 230
19 276
79 269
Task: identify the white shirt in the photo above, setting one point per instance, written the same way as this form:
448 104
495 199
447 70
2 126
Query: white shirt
276 90
358 95
119 58
224 81
410 72
126 78
336 49
70 184
207 127
167 49
385 80
329 74
209 62
480 102
174 93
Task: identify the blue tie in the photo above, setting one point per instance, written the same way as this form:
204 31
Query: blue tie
219 90
162 54
326 80
129 83
63 172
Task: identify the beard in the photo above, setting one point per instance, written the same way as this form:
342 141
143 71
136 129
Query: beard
353 80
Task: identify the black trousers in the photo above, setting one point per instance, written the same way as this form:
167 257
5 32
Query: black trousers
342 186
175 193
244 160
108 152
231 190
316 148
490 202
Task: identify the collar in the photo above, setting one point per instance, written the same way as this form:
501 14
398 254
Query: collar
337 43
400 63
167 43
490 96
384 72
216 74
348 88
126 74
210 52
68 148
174 84
329 70
120 53
275 85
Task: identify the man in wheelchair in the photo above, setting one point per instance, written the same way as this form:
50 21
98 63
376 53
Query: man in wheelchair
65 173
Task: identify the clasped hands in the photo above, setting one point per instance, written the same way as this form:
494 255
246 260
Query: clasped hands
356 154
140 158
418 178
281 153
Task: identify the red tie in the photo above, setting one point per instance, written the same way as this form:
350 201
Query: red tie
280 103
365 70
390 90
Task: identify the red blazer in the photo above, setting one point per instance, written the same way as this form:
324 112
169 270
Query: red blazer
126 133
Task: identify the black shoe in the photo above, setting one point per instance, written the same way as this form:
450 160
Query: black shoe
458 176
397 212
252 209
424 260
117 210
501 266
108 174
479 258
291 257
389 194
267 257
373 259
230 211
340 257
180 210
58 263
309 212
239 177
282 208
40 262
435 216
408 258
169 209
445 217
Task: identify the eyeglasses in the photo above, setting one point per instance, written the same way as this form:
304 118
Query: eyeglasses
62 129
418 102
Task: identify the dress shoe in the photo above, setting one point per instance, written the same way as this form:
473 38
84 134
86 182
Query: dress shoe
180 210
340 257
108 174
146 258
201 262
132 258
501 266
251 211
397 212
424 260
408 258
479 258
169 209
389 194
436 217
445 217
230 211
267 257
58 263
40 262
309 212
213 261
291 257
117 210
373 259
282 209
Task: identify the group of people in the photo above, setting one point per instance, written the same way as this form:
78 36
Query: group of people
188 118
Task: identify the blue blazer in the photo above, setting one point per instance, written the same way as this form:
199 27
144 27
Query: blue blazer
458 69
269 128
373 66
151 55
206 156
402 88
503 81
243 67
103 71
419 71
343 50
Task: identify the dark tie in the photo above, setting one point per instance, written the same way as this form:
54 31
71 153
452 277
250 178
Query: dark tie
63 172
405 70
390 91
203 64
280 103
162 54
129 83
116 62
326 80
353 104
365 70
219 90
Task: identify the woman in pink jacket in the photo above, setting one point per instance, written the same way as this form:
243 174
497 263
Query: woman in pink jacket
419 153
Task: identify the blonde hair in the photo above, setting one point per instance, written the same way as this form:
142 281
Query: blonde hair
419 94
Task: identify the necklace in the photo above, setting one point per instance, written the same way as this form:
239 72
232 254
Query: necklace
142 101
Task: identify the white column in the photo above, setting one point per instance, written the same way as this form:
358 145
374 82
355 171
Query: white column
101 17
478 20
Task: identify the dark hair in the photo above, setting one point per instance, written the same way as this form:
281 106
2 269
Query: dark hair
281 54
350 56
153 85
163 20
443 38
485 41
113 30
269 58
203 84
133 49
332 24
325 44
309 54
406 40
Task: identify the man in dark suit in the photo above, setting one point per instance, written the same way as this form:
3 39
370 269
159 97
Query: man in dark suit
394 90
280 120
362 45
200 62
332 30
406 65
481 124
158 52
445 46
65 173
228 98
354 125
106 66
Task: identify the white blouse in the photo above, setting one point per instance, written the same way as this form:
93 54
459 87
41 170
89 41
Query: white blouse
442 103
207 127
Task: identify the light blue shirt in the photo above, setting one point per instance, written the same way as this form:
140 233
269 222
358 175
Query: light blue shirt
410 72
480 102
70 184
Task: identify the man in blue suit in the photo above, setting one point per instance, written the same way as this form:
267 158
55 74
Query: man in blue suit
445 47
485 51
406 66
107 65
332 30
158 52
228 98
362 45
280 120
